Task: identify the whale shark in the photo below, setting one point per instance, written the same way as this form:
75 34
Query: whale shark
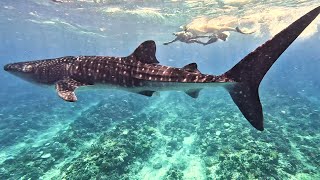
141 73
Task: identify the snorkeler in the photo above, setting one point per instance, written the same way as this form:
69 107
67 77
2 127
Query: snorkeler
204 28
188 37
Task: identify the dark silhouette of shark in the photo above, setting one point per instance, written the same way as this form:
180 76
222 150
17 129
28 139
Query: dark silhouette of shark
141 73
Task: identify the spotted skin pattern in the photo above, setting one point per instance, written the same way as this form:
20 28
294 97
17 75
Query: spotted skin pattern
123 72
141 72
134 70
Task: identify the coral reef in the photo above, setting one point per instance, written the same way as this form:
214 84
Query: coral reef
115 152
34 162
162 138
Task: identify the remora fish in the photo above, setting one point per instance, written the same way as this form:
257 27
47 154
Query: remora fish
140 72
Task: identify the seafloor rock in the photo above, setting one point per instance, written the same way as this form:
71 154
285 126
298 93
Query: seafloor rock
174 174
45 156
158 165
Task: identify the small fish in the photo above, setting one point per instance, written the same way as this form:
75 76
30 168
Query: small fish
141 72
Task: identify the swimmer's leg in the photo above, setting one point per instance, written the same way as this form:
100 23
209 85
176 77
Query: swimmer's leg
211 40
222 36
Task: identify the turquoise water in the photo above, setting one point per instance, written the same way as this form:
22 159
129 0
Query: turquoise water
110 134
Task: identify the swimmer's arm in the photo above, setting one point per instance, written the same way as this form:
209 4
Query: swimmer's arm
176 39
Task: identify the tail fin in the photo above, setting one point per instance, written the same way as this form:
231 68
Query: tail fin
250 71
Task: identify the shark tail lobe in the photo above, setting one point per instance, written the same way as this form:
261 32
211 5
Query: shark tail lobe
249 72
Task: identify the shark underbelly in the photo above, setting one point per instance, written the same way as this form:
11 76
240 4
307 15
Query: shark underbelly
156 86
177 86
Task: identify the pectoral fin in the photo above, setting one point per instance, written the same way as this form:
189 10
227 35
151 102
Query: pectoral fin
66 87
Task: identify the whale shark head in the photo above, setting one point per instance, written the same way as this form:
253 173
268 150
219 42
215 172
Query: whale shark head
24 70
40 71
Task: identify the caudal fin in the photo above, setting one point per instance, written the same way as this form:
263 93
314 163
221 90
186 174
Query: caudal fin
250 71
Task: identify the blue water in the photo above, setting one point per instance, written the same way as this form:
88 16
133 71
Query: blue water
118 135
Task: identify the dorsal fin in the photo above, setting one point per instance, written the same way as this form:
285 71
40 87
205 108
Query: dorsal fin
194 93
146 53
192 67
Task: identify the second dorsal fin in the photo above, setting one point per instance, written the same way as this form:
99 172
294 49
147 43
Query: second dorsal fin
146 53
192 67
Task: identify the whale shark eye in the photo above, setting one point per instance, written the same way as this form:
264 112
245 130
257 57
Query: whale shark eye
27 68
